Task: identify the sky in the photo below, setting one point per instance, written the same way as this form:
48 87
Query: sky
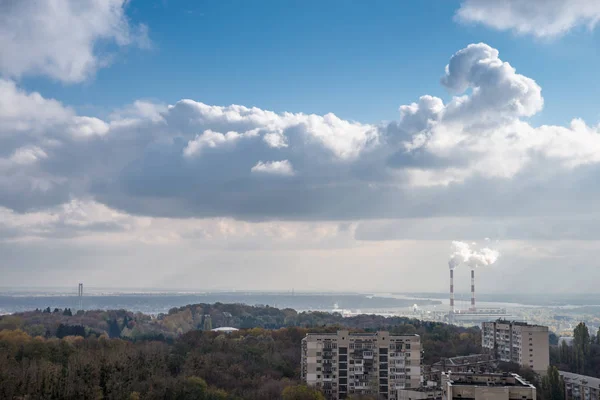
275 145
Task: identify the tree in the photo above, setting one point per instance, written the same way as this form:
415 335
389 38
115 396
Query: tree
301 392
125 322
113 329
552 385
194 388
581 346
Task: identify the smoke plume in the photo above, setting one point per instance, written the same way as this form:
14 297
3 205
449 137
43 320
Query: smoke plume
464 253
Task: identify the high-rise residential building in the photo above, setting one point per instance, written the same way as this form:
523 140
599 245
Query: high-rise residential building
472 386
518 342
580 387
344 363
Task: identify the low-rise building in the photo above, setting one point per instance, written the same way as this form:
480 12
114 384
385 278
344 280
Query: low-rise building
471 386
580 387
422 393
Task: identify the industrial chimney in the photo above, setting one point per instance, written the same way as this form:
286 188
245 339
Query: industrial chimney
473 290
452 290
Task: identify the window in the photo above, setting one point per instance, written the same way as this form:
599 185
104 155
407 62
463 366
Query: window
318 368
318 353
407 346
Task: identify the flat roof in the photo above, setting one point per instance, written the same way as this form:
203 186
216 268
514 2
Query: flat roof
584 380
360 334
494 379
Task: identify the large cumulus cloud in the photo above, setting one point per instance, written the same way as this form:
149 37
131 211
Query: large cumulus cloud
474 155
65 40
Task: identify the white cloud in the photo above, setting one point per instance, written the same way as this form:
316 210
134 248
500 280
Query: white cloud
28 113
482 134
274 167
190 159
61 39
211 139
541 18
345 140
28 155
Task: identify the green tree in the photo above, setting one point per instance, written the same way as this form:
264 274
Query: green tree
301 392
194 388
581 346
552 385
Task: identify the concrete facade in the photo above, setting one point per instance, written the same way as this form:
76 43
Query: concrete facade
518 342
580 387
344 363
470 386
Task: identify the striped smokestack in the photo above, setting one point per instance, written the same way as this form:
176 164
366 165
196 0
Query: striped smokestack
451 290
473 289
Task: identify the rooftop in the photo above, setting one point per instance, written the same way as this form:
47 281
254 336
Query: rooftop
517 323
584 380
225 329
487 379
359 334
466 360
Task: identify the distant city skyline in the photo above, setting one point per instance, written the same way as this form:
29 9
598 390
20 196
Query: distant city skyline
222 145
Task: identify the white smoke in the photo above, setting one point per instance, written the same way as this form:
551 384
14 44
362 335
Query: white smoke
464 253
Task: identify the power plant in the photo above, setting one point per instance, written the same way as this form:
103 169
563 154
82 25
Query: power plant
463 254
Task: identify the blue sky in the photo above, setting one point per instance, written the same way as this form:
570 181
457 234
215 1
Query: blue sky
359 60
108 171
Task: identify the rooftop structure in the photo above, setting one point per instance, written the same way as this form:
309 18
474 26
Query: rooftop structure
470 363
488 386
422 393
226 329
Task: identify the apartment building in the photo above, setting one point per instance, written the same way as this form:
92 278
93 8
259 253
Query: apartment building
580 387
471 386
517 342
344 363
